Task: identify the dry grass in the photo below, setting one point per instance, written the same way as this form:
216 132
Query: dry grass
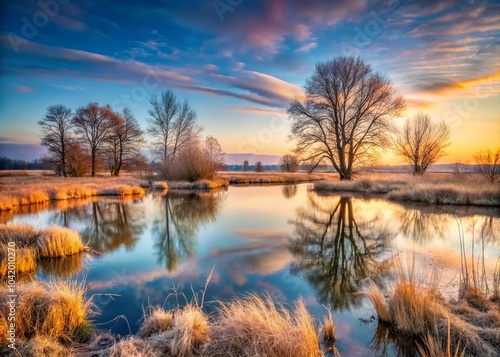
59 242
413 307
43 346
190 331
431 189
132 347
27 190
198 185
156 321
32 244
246 178
253 326
50 309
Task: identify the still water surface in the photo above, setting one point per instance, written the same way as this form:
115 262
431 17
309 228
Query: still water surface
284 241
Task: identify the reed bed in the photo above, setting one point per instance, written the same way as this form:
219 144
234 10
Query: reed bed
246 326
248 178
199 185
413 307
437 189
27 190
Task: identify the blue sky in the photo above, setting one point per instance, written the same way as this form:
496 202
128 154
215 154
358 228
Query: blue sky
240 62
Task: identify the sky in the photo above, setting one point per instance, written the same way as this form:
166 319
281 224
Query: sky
241 62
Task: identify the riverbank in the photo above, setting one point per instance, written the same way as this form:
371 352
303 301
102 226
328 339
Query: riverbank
245 326
248 178
444 189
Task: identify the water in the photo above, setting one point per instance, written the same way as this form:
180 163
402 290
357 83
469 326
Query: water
284 241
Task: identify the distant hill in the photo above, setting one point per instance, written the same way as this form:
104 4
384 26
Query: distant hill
237 159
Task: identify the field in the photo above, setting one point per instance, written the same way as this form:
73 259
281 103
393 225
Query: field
436 188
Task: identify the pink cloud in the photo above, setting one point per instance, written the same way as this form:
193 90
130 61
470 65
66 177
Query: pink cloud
23 89
257 110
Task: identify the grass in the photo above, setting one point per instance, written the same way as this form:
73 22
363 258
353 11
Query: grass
28 190
429 189
47 310
199 185
255 326
56 242
157 320
33 245
245 326
247 178
413 307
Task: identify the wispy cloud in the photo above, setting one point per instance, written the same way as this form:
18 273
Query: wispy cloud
23 89
62 86
257 110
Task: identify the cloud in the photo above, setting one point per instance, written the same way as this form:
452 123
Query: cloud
62 86
307 47
23 89
480 87
257 110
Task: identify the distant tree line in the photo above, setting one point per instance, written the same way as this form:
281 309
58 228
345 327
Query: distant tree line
95 137
15 164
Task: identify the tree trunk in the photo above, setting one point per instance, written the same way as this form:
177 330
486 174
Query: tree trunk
92 163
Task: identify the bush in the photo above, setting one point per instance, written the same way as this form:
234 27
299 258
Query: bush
194 162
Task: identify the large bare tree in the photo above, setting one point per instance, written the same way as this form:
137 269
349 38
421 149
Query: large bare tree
421 142
125 140
93 124
57 136
345 115
172 124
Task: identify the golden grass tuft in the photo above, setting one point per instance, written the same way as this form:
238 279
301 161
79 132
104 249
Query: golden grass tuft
190 331
254 326
59 242
51 309
156 321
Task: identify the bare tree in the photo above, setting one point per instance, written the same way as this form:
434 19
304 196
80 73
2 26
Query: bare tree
93 123
246 165
56 135
488 164
289 163
125 140
422 142
214 153
172 124
259 167
345 115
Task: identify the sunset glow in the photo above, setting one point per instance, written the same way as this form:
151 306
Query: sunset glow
240 63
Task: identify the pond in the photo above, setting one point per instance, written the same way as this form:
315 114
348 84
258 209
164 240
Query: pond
285 241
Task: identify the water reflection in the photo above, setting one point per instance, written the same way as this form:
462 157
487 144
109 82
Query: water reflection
62 267
422 227
336 248
108 223
182 214
289 191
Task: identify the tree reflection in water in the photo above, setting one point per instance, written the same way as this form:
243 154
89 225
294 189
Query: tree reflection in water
336 251
109 223
422 227
289 191
182 214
